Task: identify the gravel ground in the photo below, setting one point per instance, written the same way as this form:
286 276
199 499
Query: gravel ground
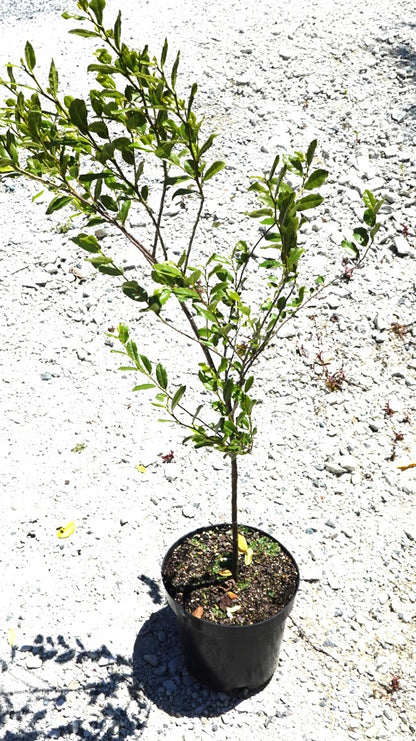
95 652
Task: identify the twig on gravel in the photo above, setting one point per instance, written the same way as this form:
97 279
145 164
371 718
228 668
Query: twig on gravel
303 635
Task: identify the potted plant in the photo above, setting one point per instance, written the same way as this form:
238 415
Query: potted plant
137 144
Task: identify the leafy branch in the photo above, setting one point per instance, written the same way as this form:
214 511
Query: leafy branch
98 157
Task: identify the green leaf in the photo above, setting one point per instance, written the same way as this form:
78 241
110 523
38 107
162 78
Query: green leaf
249 384
177 397
53 78
97 7
361 236
123 333
270 264
69 16
109 203
214 169
58 203
134 291
274 166
146 362
175 69
30 56
311 201
117 30
162 376
369 217
78 114
206 313
228 389
311 151
144 386
87 242
351 247
6 165
100 128
192 94
316 179
124 211
83 32
164 54
207 144
260 212
104 69
369 200
109 270
34 120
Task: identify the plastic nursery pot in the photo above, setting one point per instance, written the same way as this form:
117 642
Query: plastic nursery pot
229 657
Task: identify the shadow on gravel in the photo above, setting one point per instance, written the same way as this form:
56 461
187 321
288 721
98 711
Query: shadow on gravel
160 673
405 56
92 695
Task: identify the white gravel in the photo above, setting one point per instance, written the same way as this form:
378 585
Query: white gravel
96 654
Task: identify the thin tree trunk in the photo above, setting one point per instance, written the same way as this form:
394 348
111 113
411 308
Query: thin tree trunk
234 515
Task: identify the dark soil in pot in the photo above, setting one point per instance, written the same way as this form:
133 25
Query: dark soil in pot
196 575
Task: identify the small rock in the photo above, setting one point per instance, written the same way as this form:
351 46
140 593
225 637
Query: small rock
329 523
51 269
101 233
46 376
348 462
402 246
286 53
333 301
33 662
334 468
169 685
151 659
398 115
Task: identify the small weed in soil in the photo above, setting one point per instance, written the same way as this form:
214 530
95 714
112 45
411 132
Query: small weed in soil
197 576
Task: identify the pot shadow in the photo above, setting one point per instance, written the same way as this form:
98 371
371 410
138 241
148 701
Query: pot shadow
53 687
160 673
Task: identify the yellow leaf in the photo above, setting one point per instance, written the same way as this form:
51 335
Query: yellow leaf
141 468
232 610
11 638
66 530
248 558
405 466
242 544
225 572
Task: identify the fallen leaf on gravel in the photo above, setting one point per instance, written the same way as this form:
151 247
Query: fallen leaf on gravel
141 468
405 466
198 612
66 530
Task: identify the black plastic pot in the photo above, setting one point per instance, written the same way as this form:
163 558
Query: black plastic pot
229 657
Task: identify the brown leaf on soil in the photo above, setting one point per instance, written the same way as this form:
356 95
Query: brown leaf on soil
198 612
226 601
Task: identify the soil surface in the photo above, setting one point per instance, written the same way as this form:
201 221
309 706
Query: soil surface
198 575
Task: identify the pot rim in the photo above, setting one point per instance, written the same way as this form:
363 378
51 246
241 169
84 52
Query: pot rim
196 620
